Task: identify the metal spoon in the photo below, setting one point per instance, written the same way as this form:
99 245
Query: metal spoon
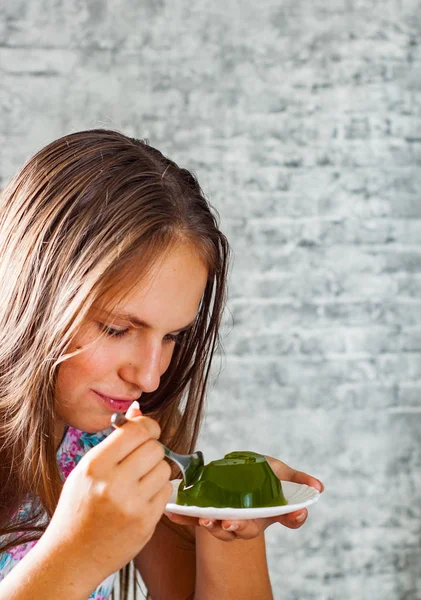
190 464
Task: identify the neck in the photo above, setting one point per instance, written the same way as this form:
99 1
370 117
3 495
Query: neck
58 433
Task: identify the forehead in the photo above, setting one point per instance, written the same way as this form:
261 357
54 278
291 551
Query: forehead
170 291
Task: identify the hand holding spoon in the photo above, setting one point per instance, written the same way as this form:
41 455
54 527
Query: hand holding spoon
190 464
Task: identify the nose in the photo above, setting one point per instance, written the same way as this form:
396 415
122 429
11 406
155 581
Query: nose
142 368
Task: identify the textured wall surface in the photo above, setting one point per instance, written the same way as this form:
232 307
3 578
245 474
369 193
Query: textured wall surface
302 120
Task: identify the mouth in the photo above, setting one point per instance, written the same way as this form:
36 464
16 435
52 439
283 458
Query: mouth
114 403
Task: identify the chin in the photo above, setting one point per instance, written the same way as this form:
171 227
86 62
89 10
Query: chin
99 427
90 426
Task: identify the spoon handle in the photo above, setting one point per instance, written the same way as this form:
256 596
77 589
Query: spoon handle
182 460
118 419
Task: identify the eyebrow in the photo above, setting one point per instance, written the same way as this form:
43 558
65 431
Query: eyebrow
133 320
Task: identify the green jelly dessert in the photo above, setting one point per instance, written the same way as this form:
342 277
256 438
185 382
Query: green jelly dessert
239 480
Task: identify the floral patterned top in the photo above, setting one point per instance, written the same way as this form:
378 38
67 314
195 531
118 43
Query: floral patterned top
74 445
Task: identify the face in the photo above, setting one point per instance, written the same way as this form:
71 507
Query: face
136 346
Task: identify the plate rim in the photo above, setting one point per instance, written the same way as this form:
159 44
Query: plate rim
245 513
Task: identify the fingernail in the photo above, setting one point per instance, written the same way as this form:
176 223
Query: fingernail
300 517
134 404
231 527
207 523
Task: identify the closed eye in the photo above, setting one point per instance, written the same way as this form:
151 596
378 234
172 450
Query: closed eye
114 333
111 331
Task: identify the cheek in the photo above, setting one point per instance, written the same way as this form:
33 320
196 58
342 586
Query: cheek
81 369
71 374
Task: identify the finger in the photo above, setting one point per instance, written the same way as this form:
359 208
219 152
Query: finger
121 442
182 519
153 481
155 508
214 527
159 501
142 460
300 477
210 525
133 410
292 520
246 530
286 473
237 526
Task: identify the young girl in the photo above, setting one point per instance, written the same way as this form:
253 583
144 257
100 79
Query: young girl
112 283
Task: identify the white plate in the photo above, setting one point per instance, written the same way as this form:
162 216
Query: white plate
298 496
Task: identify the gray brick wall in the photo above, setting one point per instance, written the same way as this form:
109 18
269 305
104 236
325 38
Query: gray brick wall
303 122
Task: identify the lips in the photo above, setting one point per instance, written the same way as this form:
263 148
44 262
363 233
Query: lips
113 404
115 398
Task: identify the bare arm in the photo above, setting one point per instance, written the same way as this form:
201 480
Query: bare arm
234 570
231 555
107 512
48 572
174 567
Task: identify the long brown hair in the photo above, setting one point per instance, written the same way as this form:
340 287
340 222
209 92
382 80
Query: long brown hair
72 221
